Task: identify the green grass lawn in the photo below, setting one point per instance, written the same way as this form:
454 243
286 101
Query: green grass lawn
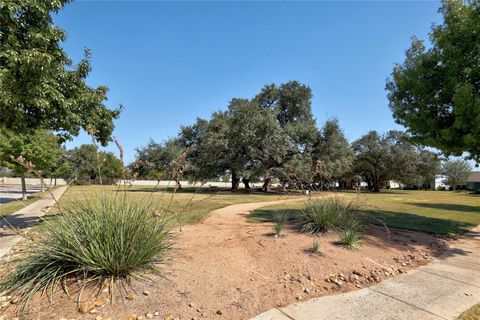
438 212
190 205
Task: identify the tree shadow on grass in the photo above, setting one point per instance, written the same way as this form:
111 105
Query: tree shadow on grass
391 219
408 221
267 215
447 206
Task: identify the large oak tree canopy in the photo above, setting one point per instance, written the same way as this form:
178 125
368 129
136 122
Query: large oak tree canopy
435 93
39 85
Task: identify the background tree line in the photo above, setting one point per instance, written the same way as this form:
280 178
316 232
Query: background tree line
275 136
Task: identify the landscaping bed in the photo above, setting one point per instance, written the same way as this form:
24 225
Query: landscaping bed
228 267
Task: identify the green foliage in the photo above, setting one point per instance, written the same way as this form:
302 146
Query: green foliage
315 248
435 92
103 239
88 165
280 218
157 160
41 148
351 239
456 172
329 214
54 94
257 137
381 158
333 152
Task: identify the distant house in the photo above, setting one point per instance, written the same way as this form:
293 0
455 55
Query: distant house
439 184
473 181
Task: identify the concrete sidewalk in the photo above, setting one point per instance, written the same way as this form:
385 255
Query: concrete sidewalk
24 219
440 290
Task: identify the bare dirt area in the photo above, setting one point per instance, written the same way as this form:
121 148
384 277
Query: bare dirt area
229 268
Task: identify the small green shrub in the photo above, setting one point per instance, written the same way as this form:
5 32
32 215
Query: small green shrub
100 240
351 239
322 215
280 218
315 248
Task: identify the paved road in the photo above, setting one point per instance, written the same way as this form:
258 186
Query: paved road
25 218
440 290
10 192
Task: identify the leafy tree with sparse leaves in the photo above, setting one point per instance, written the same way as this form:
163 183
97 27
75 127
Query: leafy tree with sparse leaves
39 85
435 92
456 172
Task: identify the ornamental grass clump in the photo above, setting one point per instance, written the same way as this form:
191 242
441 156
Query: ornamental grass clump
351 239
102 240
329 214
279 220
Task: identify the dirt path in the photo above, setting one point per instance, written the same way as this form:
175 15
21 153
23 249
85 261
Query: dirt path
229 268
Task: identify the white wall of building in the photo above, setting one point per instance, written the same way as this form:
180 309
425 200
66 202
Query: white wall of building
32 181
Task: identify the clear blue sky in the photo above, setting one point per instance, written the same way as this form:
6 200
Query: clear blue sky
170 62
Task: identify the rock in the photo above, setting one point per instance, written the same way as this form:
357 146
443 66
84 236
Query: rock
86 307
149 315
338 282
133 316
306 290
191 305
219 312
357 273
156 313
168 317
358 286
15 300
93 311
100 303
146 293
299 297
130 296
98 318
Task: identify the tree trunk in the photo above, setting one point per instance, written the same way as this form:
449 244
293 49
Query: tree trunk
179 185
246 183
24 187
235 181
42 187
266 184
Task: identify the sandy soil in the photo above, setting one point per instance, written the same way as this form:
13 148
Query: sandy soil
229 268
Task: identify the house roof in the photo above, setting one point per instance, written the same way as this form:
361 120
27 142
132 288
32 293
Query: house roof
474 176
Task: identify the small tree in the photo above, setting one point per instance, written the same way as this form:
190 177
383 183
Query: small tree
333 151
41 151
456 172
88 165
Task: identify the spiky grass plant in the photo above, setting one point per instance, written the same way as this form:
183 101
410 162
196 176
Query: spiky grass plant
100 240
351 239
322 215
280 218
315 248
